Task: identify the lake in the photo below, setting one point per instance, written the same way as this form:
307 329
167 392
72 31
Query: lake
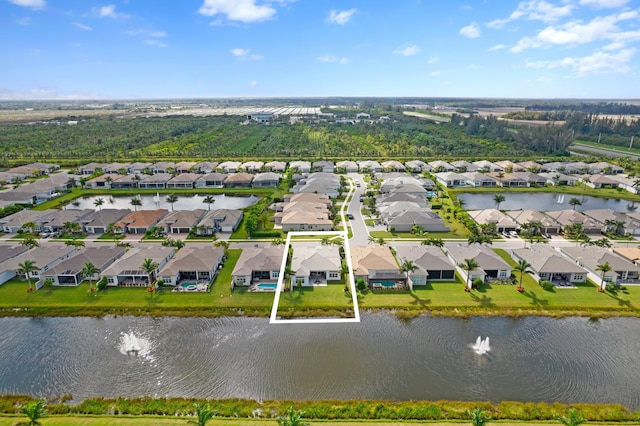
531 359
151 202
542 201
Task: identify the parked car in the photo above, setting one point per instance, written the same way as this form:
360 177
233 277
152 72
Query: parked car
349 216
513 233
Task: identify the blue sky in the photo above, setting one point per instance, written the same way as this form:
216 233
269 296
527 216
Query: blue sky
77 49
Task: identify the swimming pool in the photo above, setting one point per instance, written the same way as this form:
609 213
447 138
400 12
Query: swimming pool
188 285
385 283
267 287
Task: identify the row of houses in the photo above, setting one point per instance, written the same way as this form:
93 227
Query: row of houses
39 190
184 181
202 167
594 221
305 211
202 222
120 267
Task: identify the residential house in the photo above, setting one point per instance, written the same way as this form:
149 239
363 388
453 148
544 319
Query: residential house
13 223
300 166
569 217
97 222
532 166
580 167
509 179
315 266
185 180
307 197
549 265
375 265
186 167
126 182
252 166
192 263
261 116
533 179
45 258
8 251
509 166
164 167
266 180
367 166
451 179
558 179
127 271
139 222
503 222
34 169
323 166
155 181
347 166
276 166
102 181
295 220
491 267
392 166
485 166
6 177
615 222
140 168
91 168
257 265
56 221
627 183
440 166
404 184
69 271
416 166
632 254
462 166
206 167
405 221
605 168
601 181
117 168
622 271
523 217
319 183
432 263
181 221
238 180
479 180
219 220
560 167
211 180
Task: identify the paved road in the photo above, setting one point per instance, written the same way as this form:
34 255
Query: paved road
358 227
603 151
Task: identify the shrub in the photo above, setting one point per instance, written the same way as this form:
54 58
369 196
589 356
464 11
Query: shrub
477 283
266 234
547 285
361 284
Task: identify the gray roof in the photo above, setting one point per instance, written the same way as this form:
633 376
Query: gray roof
307 259
133 259
425 257
544 259
100 257
190 258
486 258
259 259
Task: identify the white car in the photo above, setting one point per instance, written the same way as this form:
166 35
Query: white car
513 233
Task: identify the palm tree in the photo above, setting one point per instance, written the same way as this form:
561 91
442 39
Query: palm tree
522 267
203 413
99 202
26 268
469 265
29 242
408 267
149 266
498 198
574 418
604 268
209 200
437 242
88 272
35 410
478 417
575 201
277 242
172 198
29 226
292 418
380 241
136 202
74 242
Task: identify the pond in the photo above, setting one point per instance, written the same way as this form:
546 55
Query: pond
567 360
151 202
544 201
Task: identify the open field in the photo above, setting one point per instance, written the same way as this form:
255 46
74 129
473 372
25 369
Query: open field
22 116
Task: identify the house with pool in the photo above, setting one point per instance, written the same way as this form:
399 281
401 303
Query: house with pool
377 267
192 268
432 263
258 268
127 271
315 266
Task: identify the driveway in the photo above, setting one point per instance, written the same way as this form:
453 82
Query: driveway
358 227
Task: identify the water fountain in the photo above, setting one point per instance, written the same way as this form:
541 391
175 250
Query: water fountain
481 346
130 344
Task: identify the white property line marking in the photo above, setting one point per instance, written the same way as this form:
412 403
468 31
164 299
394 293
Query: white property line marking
347 254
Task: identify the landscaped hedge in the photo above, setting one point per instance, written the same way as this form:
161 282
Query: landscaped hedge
366 410
266 234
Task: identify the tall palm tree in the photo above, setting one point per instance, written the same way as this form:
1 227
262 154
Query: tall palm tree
136 202
292 418
408 267
573 418
522 267
604 268
469 265
29 242
437 242
172 198
34 410
26 268
88 272
29 226
203 413
149 266
380 241
498 198
209 200
575 201
74 242
478 417
98 203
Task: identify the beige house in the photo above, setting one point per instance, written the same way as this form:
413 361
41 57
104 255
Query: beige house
192 263
258 265
548 264
315 266
376 265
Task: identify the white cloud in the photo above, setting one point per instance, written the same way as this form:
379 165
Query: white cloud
434 59
24 21
598 63
34 4
146 33
577 32
473 66
410 50
109 11
534 10
472 30
341 16
81 26
240 10
602 4
497 47
245 54
330 58
434 73
253 83
156 43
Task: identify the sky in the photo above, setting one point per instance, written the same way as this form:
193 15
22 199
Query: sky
131 49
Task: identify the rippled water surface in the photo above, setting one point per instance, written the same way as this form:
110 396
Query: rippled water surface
534 358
